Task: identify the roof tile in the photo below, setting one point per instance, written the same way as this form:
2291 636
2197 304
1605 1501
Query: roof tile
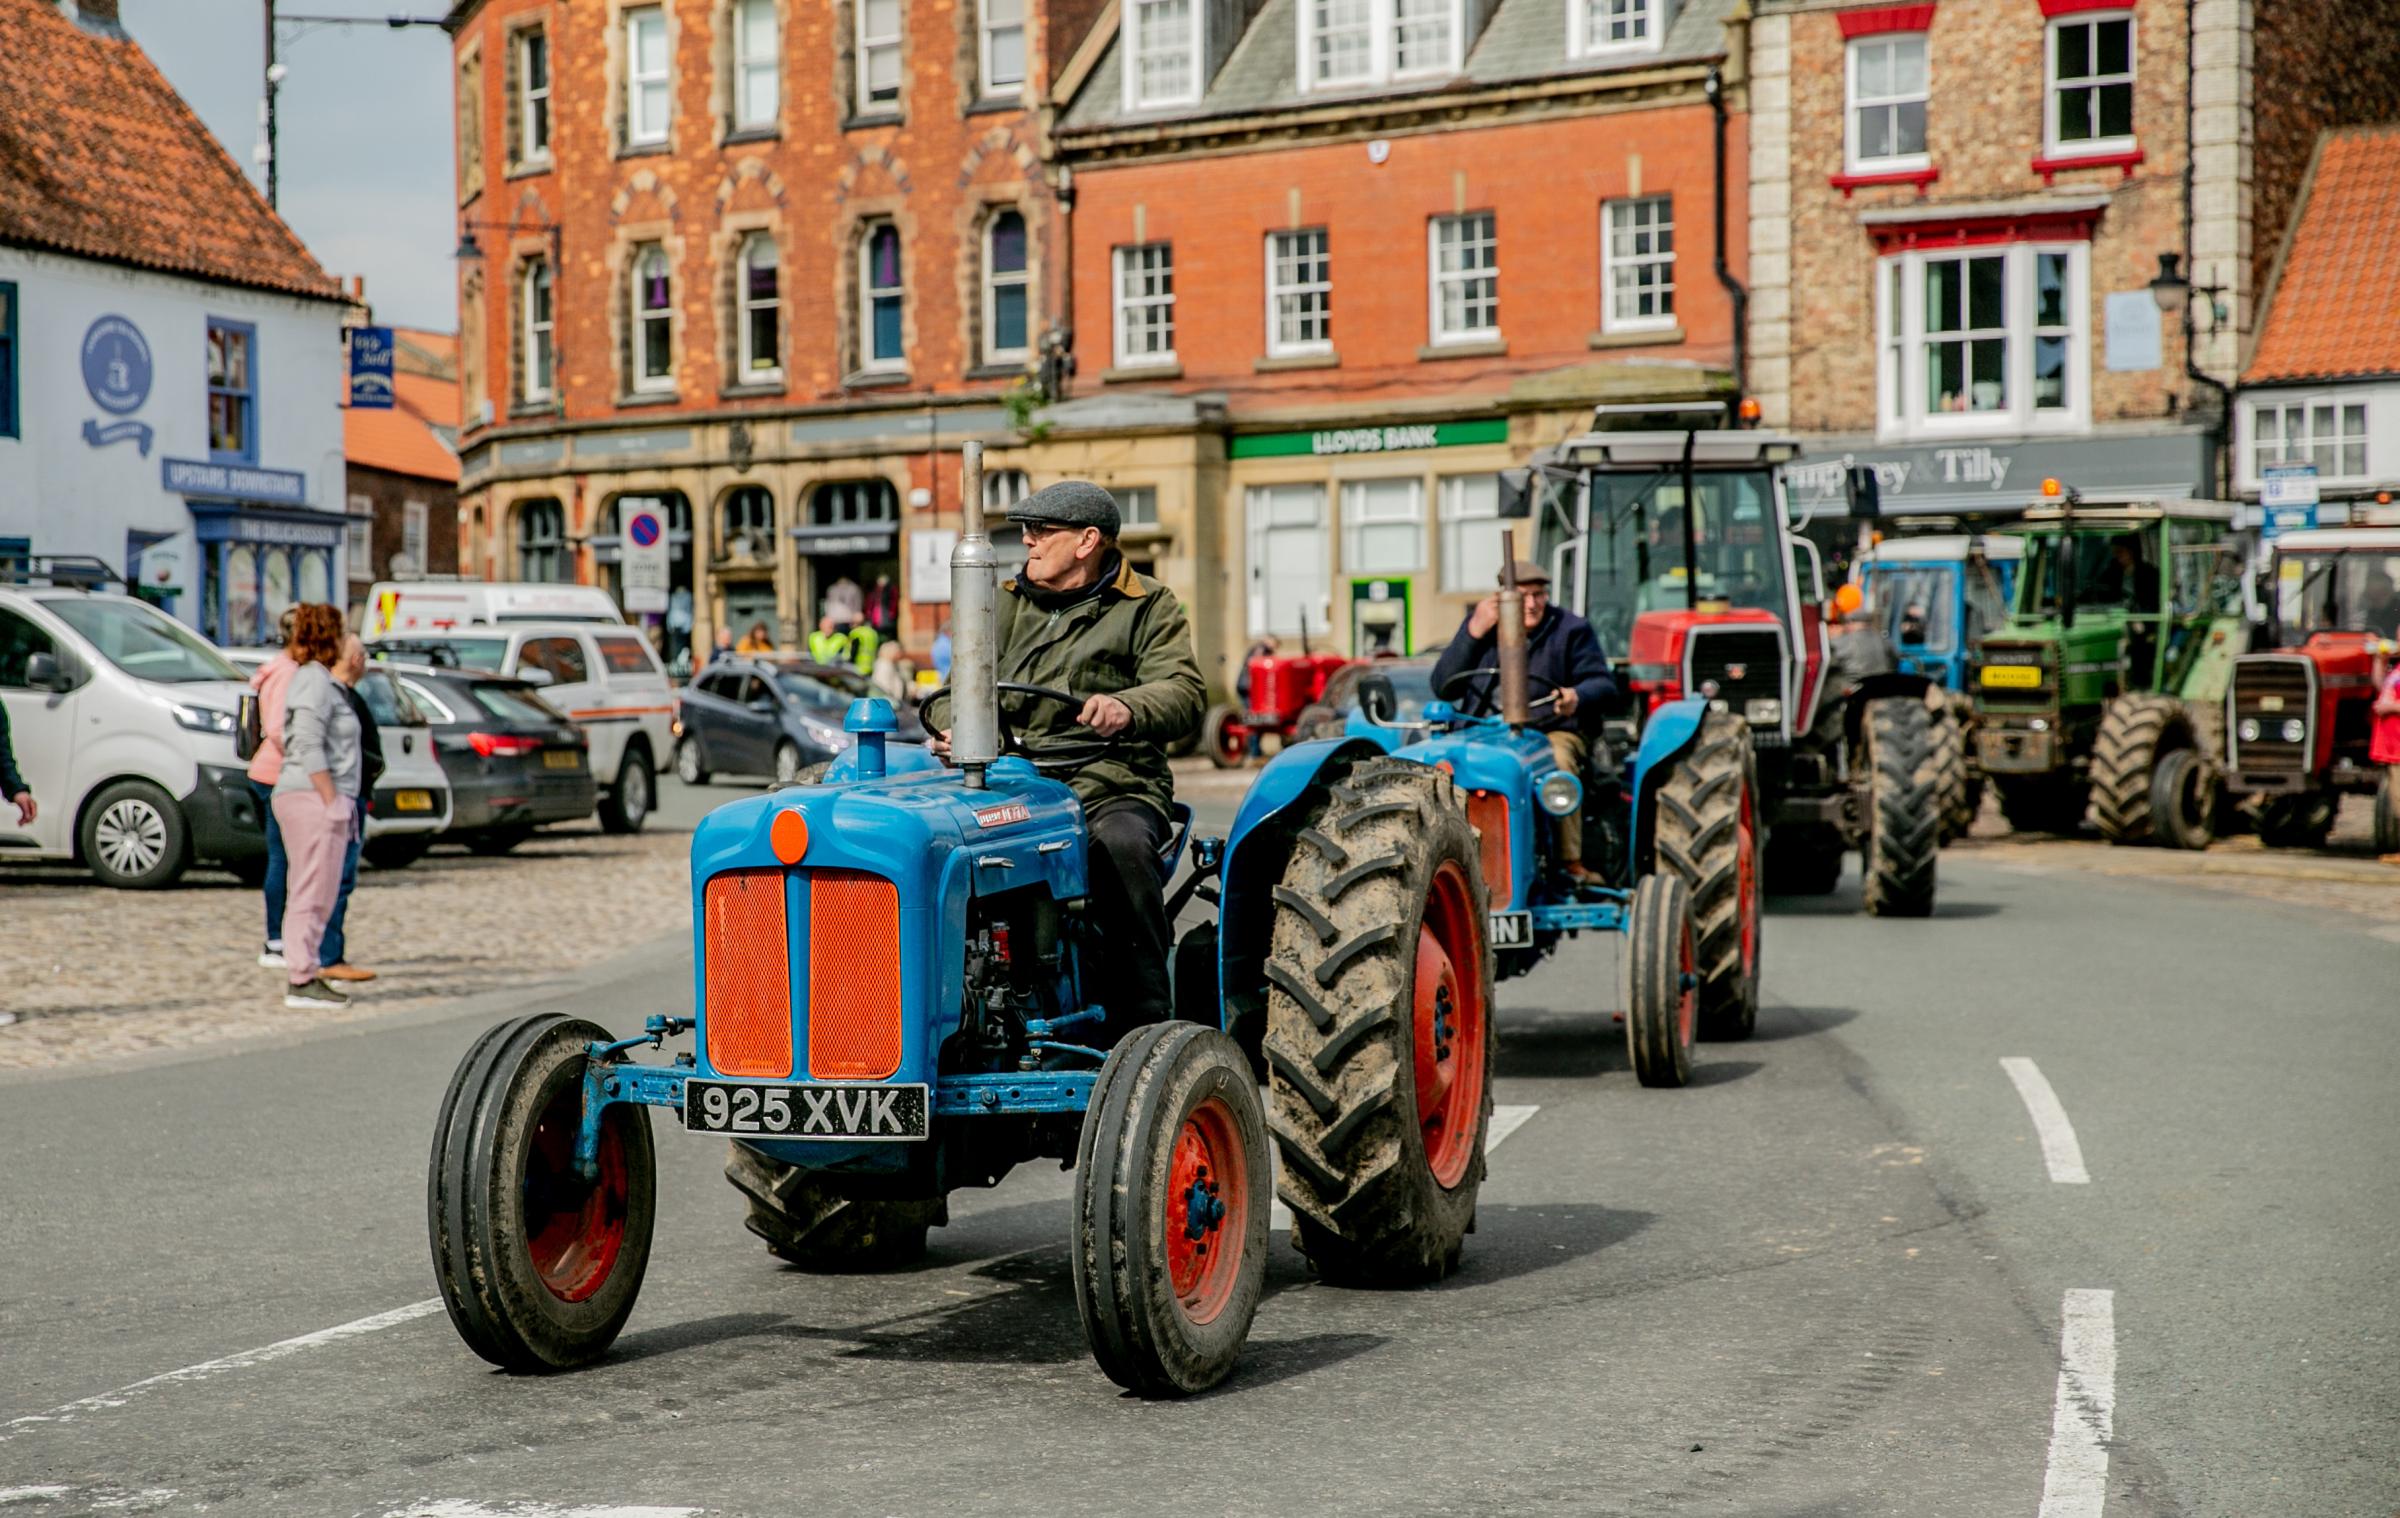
2335 309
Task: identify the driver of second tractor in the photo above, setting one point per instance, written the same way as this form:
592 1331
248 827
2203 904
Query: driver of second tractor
1560 649
1078 619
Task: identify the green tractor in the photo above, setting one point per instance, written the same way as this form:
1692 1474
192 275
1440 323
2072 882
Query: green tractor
2105 689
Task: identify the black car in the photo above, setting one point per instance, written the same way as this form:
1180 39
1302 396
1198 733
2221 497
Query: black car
513 762
769 717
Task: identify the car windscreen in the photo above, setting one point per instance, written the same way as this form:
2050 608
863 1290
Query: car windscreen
465 652
812 691
511 702
144 643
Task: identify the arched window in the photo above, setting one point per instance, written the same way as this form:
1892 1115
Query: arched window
1007 289
749 522
879 299
758 291
653 320
849 502
533 304
542 542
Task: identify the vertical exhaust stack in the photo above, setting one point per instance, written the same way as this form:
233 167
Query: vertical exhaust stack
1515 708
974 632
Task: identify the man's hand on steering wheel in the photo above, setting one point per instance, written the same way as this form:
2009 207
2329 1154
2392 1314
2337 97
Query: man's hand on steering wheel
1106 715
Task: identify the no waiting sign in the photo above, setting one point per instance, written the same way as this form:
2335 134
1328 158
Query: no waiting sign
643 554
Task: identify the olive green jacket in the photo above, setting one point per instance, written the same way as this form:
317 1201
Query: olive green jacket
1130 641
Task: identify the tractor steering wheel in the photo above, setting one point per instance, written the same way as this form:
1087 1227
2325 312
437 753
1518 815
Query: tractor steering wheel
1457 685
1066 752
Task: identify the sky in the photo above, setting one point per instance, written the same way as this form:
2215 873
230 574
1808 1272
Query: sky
363 128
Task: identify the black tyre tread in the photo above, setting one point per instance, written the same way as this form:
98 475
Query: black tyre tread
2134 731
2304 821
2172 826
1099 1293
613 816
444 1228
1946 753
1904 830
1339 1034
1212 737
1697 832
1654 981
700 770
802 1222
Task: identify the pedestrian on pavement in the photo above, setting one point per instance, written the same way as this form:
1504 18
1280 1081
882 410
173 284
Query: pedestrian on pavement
756 641
12 784
844 603
334 950
315 803
270 681
883 606
724 645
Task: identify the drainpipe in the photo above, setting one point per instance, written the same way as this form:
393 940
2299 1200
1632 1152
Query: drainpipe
2221 465
1740 297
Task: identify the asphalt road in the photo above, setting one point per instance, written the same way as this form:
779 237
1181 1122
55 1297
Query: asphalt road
1834 1277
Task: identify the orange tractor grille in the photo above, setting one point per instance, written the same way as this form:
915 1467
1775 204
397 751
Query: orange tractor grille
853 976
1488 810
749 974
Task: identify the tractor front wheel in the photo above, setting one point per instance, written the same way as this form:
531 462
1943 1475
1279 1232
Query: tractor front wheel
2183 800
1171 1189
1378 1041
1662 996
1903 810
2304 821
538 1266
2137 733
1707 833
811 1226
1946 753
1223 738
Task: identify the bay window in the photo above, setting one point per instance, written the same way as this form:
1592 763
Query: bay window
1983 339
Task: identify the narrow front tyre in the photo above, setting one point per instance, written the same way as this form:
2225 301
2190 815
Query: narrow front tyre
1662 996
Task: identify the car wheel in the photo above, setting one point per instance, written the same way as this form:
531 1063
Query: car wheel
787 762
134 837
688 767
627 805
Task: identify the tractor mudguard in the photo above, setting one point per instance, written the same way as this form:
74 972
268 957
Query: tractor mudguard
1669 731
1875 688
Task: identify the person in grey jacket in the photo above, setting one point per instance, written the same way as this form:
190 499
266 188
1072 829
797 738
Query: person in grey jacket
316 801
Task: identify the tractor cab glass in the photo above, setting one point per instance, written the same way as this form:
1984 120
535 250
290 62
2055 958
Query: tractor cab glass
1914 604
2357 590
1638 544
2098 578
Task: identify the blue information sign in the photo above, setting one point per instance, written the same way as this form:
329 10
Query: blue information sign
371 368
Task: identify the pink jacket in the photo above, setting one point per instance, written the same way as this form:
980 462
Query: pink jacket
272 679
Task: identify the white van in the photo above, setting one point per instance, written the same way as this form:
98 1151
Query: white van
122 719
410 608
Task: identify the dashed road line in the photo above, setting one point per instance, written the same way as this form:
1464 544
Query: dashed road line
2060 1151
455 1507
1505 1121
2076 1482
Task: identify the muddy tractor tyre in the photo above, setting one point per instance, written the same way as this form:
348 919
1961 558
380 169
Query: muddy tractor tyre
2136 732
2184 800
1707 832
1378 1041
538 1267
2304 821
1225 748
1946 754
808 1225
2042 803
1904 813
1662 995
1171 1201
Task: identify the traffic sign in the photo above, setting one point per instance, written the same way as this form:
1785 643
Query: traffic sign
643 555
2287 485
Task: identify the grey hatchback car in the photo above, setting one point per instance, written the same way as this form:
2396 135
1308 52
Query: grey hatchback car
768 717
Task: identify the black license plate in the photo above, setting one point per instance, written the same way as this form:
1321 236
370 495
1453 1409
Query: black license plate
765 1109
1512 930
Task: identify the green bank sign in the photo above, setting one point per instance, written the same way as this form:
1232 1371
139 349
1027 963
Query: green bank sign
1276 445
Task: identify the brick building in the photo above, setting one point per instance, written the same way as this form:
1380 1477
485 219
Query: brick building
402 471
1959 211
1334 264
766 264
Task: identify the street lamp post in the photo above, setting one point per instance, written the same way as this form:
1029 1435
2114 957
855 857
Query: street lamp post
2173 290
275 72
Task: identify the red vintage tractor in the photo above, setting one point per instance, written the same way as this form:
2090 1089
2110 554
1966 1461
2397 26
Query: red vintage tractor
2298 719
1283 688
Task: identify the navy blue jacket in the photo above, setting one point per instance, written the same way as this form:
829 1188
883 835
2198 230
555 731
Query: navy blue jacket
1561 649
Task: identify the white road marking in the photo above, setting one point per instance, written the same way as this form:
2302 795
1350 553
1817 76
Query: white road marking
455 1507
2076 1485
1505 1121
10 1494
2060 1152
243 1361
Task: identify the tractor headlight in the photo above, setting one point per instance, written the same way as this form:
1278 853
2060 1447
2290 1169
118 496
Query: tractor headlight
2294 730
2039 724
1559 793
2247 729
1764 711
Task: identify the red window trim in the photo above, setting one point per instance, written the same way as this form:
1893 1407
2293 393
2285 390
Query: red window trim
1975 231
2050 168
2051 9
1849 182
1888 18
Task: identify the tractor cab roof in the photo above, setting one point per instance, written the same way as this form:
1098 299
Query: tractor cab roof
2339 540
2098 514
1944 548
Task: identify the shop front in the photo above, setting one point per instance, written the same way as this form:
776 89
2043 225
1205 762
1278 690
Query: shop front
256 558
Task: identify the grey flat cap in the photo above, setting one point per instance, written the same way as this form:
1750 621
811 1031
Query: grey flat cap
1070 503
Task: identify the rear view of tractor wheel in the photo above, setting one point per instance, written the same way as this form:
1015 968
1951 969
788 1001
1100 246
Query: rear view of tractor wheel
1662 1001
1946 757
1903 810
818 1229
1707 832
2136 732
537 1266
1171 1178
1378 1041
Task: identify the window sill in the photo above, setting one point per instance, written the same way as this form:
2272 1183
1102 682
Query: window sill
529 170
865 119
1010 370
2051 165
1479 347
1846 183
1285 362
1134 374
520 410
736 136
992 105
875 379
634 400
645 149
753 389
1637 337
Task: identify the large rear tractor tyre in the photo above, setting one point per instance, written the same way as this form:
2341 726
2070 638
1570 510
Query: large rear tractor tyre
817 1229
1378 1041
538 1267
1707 832
2042 803
2387 812
1171 1202
1946 754
2136 733
1904 814
1662 996
1226 747
2304 821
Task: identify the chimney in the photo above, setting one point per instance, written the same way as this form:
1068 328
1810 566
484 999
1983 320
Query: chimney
99 16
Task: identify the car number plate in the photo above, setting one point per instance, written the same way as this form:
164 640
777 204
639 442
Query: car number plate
562 758
1512 930
2013 676
885 1114
412 801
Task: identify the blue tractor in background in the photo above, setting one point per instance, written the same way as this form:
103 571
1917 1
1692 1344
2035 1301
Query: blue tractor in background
1935 597
890 1003
1516 789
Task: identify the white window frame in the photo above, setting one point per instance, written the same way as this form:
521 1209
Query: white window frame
1122 305
868 290
2097 147
416 528
1382 26
1141 27
540 332
1853 103
1611 262
994 282
867 45
987 78
1299 293
751 372
643 381
1138 504
640 131
529 154
2305 407
1356 520
358 542
1903 410
1657 19
1436 278
1456 521
748 66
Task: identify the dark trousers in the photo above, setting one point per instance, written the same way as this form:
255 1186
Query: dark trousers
278 864
335 946
1126 958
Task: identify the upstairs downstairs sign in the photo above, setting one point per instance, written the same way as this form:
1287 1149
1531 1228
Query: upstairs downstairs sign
1339 440
235 482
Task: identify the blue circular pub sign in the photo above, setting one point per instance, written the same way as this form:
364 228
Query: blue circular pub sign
116 365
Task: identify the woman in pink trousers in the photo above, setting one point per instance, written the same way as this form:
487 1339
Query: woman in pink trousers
313 801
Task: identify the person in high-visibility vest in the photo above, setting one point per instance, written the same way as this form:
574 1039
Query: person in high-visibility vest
829 644
864 640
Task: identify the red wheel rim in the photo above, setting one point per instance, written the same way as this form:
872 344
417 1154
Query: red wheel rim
574 1228
1207 1211
1448 1022
1746 878
1233 742
1687 988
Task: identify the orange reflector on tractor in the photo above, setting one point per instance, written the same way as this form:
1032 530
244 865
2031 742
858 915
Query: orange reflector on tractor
853 976
749 974
1489 812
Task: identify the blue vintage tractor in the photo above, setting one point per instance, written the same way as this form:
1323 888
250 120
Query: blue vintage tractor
892 1001
1936 596
1516 789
